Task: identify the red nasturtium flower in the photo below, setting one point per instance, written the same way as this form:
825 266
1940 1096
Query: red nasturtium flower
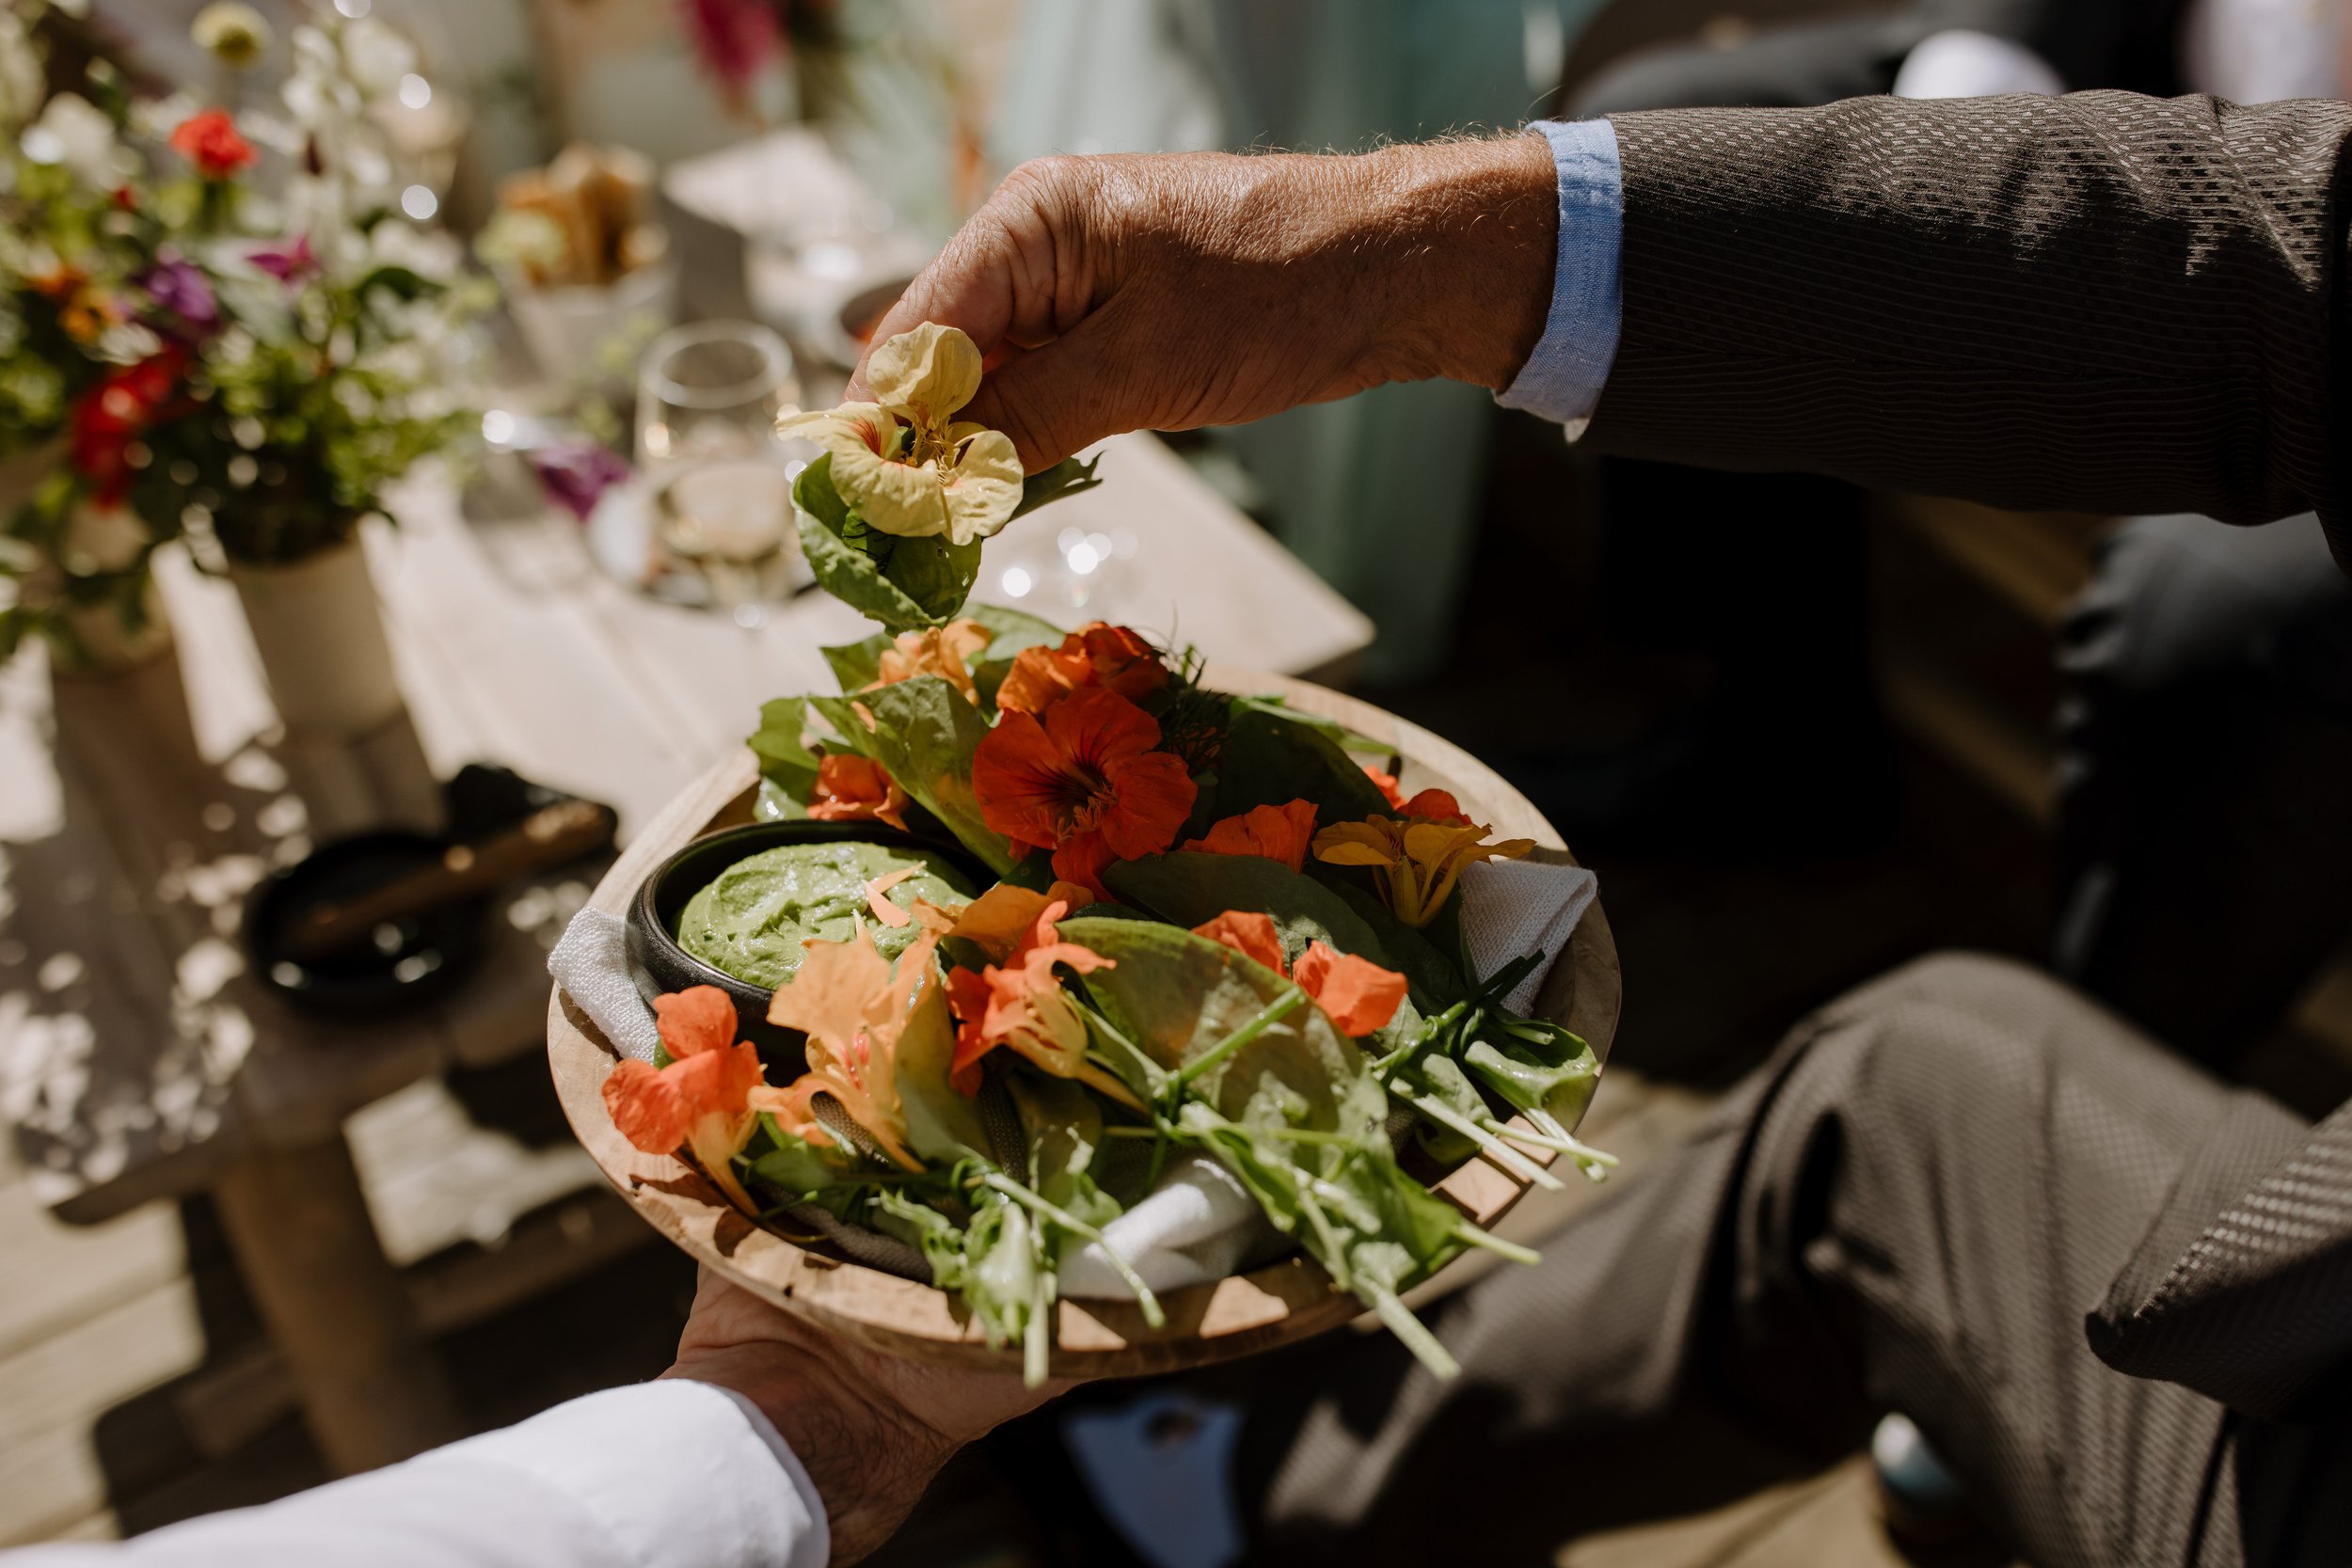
1098 654
118 411
210 141
703 1099
1084 782
1357 995
1022 1005
1249 932
1435 806
852 789
1275 832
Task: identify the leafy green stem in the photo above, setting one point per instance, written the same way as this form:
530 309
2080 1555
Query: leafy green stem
1267 1017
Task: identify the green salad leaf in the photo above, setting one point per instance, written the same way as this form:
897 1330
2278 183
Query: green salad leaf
1269 759
924 733
1064 479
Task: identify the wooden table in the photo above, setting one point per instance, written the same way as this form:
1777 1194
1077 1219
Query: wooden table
138 1057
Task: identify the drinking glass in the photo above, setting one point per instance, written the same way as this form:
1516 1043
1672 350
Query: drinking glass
707 398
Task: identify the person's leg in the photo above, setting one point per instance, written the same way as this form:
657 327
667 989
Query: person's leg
2206 751
1910 1208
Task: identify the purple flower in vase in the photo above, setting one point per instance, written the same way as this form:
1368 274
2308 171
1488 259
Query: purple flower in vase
575 474
287 263
181 288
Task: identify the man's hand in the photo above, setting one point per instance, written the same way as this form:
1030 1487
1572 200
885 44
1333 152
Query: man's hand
1166 293
870 1430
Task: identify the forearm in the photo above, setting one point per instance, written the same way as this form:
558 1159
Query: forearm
2098 302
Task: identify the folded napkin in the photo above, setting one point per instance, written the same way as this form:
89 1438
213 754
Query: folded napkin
590 964
1196 1224
1193 1226
1513 907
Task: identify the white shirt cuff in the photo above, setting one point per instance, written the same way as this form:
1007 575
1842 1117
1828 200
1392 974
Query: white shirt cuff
679 1474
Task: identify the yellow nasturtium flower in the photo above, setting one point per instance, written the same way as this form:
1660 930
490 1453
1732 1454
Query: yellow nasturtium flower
904 462
1416 863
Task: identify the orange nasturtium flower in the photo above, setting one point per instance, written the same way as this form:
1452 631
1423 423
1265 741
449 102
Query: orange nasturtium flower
854 1011
1022 1005
1275 832
944 651
1386 784
1415 863
1097 654
1084 782
1357 995
851 789
703 1099
998 920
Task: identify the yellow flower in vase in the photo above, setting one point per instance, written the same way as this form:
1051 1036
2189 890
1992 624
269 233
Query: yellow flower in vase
1415 863
904 463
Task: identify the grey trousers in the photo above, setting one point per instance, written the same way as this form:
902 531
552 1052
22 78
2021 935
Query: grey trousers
1911 1208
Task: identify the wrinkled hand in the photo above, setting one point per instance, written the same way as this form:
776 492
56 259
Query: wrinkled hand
1166 293
870 1430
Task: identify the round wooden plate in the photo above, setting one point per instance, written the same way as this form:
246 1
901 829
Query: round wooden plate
1286 1301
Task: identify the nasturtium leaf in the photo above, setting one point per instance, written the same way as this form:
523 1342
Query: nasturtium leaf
943 1124
785 758
1557 1077
924 733
797 1168
1177 996
1353 741
1270 759
1437 980
1189 888
858 665
841 569
1065 477
934 574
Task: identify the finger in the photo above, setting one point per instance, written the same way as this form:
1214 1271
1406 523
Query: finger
1058 400
1011 278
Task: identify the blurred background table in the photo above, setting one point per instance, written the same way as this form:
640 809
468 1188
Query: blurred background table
143 1058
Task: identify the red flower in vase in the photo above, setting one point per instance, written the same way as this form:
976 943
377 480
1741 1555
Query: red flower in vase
118 411
210 141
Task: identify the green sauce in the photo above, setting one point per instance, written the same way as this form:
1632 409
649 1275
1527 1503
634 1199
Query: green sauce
751 921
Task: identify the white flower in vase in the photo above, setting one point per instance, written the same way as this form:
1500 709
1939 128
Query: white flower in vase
376 56
76 135
22 78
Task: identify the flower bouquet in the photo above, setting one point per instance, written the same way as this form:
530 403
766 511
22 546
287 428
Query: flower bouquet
1119 945
210 324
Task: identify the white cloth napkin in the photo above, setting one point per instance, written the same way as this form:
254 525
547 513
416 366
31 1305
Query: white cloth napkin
1513 907
1195 1225
590 964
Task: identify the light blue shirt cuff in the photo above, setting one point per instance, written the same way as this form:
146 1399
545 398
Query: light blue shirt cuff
1563 378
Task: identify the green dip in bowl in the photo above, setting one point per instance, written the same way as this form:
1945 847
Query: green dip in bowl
752 919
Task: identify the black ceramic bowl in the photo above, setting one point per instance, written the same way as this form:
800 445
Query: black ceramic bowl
659 965
410 962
